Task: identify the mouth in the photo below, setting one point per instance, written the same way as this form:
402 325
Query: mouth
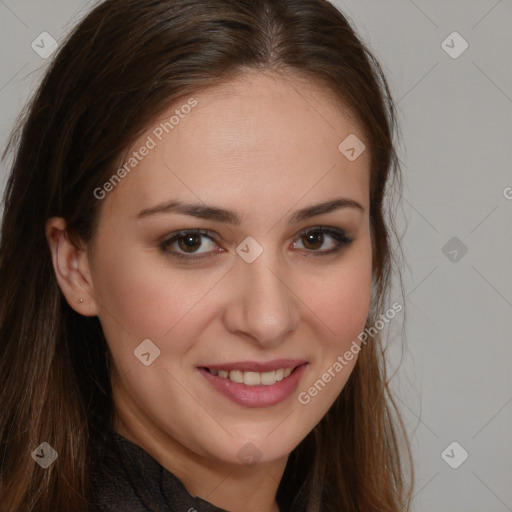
255 384
254 378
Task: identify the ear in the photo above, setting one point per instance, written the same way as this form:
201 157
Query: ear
71 267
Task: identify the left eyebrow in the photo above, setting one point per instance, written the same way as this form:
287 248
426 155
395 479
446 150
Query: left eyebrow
322 208
231 217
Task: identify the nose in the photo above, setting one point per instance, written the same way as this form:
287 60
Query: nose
263 307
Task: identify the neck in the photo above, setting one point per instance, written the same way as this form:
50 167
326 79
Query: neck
233 487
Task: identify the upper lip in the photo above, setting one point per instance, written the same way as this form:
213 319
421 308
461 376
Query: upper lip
256 366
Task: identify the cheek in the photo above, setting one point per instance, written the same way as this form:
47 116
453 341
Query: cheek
135 297
341 303
140 300
340 300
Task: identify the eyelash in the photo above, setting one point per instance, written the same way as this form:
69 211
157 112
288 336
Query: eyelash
342 241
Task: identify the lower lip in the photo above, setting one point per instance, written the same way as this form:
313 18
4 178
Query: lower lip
256 396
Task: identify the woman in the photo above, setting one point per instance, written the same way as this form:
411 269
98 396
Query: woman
195 266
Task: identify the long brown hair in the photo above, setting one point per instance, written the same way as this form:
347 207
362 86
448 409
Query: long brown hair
125 63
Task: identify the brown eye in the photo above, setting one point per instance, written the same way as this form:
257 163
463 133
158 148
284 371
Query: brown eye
313 240
331 239
189 243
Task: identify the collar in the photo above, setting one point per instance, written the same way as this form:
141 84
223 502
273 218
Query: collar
131 480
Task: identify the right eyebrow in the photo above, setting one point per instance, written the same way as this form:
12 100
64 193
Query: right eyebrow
231 217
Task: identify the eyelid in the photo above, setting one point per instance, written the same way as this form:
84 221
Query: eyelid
168 240
339 235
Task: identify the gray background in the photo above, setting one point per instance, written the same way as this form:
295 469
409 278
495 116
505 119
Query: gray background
453 376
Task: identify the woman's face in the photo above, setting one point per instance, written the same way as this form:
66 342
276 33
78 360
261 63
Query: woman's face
251 165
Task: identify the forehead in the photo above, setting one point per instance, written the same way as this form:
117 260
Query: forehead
252 141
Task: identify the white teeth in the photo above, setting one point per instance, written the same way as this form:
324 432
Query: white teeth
236 376
268 378
254 378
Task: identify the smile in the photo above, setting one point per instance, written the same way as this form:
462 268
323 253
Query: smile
255 384
253 378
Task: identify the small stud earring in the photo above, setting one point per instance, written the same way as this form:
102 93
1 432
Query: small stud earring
80 300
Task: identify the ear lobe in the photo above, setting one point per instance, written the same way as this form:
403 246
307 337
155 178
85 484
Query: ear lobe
71 267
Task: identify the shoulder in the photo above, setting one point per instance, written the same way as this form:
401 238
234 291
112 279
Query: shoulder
126 479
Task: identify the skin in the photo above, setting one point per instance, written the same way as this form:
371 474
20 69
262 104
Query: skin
263 145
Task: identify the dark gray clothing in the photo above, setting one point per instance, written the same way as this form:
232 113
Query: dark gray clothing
132 481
